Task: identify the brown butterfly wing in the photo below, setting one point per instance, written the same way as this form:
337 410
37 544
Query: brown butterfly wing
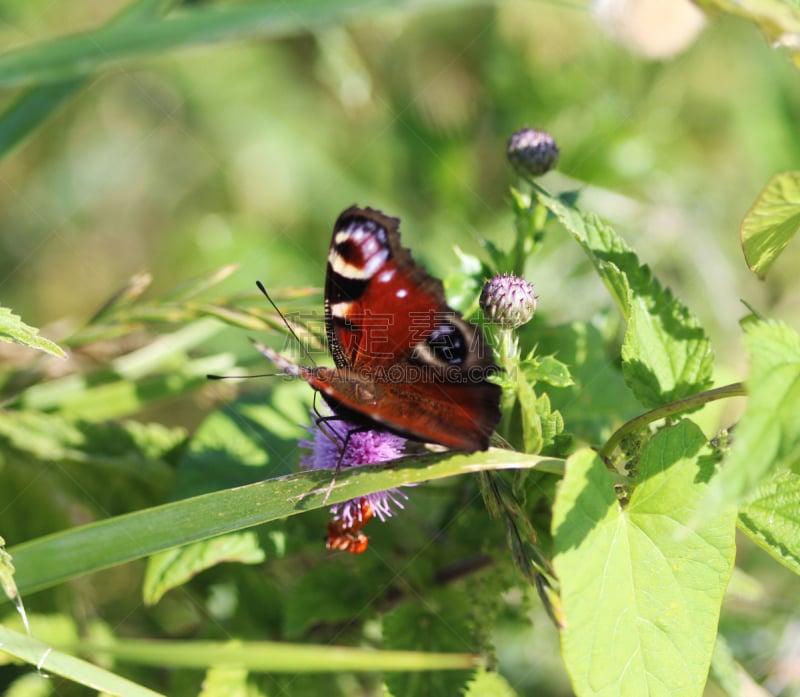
404 358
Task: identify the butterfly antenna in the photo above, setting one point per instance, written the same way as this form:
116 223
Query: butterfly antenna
286 322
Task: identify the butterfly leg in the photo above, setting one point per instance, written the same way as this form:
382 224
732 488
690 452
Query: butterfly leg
341 445
320 419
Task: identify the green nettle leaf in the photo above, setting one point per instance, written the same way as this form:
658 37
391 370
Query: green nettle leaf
488 683
438 624
641 588
767 437
547 369
237 445
552 421
128 448
174 567
540 424
330 593
67 469
772 222
771 517
666 354
598 398
14 330
225 682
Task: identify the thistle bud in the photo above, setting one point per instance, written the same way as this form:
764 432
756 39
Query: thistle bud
532 152
508 301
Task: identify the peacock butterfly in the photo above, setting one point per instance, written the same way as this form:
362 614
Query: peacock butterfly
404 360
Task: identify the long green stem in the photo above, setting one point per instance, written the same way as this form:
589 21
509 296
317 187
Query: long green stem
529 223
737 389
508 355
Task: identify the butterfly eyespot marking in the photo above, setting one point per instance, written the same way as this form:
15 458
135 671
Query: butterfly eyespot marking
446 345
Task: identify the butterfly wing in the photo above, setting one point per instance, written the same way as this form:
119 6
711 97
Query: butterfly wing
404 358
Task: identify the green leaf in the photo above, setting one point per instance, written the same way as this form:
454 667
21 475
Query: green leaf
771 518
124 297
30 685
14 330
67 470
552 421
49 660
641 589
225 682
666 354
489 683
53 559
772 222
438 624
51 437
233 682
7 573
463 284
598 399
196 286
245 442
767 438
161 369
34 107
310 602
540 424
174 567
778 20
85 53
547 369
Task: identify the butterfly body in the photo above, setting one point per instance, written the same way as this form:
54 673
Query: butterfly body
404 360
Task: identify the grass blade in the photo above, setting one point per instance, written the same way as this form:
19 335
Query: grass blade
275 657
86 53
56 558
46 659
35 106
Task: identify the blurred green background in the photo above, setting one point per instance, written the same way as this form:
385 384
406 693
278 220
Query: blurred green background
245 152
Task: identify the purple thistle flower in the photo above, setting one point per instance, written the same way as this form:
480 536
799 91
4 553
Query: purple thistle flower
363 448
